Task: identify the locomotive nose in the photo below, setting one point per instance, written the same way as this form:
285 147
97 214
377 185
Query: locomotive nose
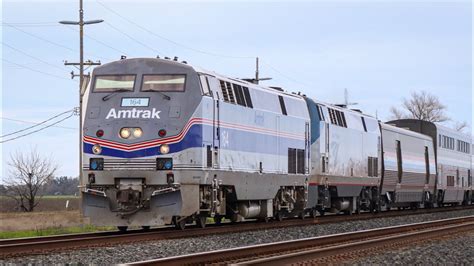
137 128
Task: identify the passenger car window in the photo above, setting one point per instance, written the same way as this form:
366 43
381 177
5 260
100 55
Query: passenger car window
163 82
111 83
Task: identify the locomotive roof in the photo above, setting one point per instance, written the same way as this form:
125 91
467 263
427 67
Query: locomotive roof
246 83
345 110
440 128
404 131
184 64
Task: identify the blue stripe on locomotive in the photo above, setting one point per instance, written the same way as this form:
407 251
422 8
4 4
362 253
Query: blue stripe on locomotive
237 140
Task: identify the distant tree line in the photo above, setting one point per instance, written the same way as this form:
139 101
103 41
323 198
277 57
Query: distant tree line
62 185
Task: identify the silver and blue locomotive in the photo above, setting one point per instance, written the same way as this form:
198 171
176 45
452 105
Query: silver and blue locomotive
168 143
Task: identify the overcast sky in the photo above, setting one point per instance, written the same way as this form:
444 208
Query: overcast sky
379 50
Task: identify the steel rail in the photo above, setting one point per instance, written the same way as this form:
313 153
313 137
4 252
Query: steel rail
312 254
314 247
38 245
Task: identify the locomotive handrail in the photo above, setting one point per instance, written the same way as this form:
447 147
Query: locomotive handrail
94 191
164 190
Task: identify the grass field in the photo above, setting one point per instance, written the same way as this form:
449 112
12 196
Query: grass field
19 221
53 231
50 217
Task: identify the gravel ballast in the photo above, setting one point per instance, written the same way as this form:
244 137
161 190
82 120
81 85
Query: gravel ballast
166 248
448 250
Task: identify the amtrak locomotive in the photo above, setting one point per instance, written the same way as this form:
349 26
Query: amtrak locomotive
168 143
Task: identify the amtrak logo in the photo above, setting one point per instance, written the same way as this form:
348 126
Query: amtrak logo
134 113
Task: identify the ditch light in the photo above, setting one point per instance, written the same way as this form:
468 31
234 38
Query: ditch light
164 163
96 164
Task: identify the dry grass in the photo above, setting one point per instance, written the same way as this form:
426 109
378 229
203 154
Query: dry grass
40 220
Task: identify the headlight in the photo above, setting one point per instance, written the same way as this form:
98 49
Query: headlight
96 149
164 163
137 132
168 165
125 133
96 164
164 149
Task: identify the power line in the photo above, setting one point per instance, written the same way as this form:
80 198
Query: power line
99 41
31 56
188 47
131 38
31 122
43 128
169 40
35 70
148 47
286 76
32 23
48 41
37 124
39 37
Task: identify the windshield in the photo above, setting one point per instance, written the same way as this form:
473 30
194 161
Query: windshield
111 83
163 82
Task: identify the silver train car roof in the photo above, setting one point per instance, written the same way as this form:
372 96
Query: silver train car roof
268 89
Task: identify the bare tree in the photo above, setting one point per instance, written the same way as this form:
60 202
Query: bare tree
28 173
460 126
423 106
397 113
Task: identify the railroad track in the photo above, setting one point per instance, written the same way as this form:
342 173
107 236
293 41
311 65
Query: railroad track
311 250
39 245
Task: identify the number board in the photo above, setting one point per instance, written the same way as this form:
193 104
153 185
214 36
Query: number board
135 102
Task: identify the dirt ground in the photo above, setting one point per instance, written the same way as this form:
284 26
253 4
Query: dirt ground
15 221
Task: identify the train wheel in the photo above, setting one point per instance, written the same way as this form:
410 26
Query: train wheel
234 218
302 215
122 229
180 225
146 228
201 221
313 213
217 219
279 216
358 205
322 212
373 208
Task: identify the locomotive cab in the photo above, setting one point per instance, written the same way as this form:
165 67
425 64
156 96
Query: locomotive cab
137 112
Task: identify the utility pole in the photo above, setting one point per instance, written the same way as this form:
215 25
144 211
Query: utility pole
81 65
256 71
346 103
257 78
